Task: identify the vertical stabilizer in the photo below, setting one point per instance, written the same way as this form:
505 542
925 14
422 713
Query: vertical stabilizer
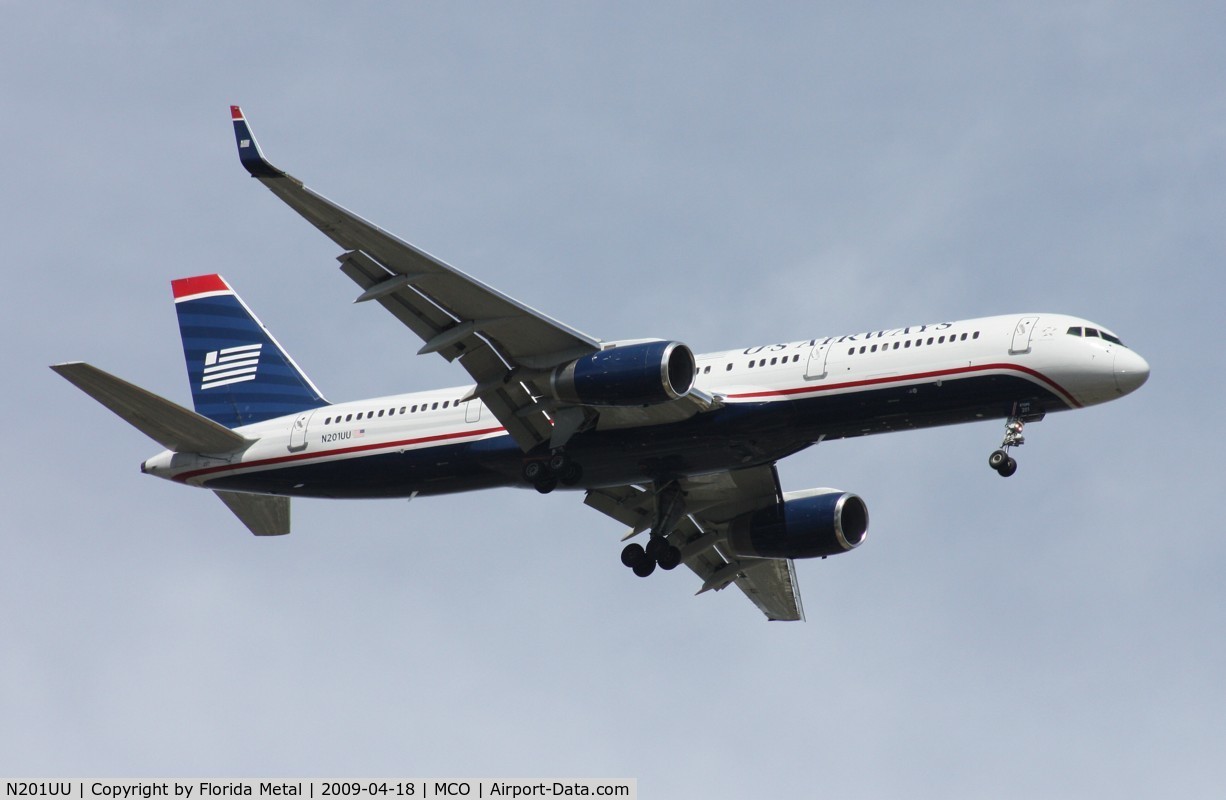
239 373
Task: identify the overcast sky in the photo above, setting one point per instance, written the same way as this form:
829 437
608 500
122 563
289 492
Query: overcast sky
722 174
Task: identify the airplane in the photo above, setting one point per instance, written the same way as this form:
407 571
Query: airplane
677 445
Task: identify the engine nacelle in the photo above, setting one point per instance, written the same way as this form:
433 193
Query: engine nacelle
639 374
808 524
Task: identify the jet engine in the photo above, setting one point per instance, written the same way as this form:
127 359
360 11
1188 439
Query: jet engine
632 374
808 524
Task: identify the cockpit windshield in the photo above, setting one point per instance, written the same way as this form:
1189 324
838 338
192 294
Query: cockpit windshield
1095 333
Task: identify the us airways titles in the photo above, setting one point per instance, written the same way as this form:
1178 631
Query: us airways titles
855 337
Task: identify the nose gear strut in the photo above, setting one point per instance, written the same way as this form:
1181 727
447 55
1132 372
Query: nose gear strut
1000 460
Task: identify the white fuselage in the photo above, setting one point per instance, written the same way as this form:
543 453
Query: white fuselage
1022 355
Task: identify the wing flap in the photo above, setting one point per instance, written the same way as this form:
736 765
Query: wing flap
505 397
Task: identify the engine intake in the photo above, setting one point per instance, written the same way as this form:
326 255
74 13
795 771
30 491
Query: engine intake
808 524
639 374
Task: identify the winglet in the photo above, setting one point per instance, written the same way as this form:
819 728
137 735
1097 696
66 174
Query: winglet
249 150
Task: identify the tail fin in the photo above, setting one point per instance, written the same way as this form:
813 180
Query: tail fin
238 372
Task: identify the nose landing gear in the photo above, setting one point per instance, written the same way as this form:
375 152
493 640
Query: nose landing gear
1000 460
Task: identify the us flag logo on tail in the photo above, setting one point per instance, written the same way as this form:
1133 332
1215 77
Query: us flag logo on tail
230 365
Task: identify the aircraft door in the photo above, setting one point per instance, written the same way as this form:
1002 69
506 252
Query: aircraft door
816 368
1021 335
298 431
472 410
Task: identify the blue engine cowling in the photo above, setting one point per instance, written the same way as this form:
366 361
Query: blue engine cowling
817 522
640 374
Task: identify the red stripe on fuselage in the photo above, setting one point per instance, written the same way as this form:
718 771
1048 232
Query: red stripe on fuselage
264 462
780 393
917 376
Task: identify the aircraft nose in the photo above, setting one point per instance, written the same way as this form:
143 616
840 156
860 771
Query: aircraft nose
1131 371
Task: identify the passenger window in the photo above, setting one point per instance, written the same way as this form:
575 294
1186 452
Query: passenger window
963 337
434 407
728 368
862 349
774 361
348 417
446 403
975 335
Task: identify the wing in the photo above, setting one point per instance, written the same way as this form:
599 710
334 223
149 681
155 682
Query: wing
501 343
710 503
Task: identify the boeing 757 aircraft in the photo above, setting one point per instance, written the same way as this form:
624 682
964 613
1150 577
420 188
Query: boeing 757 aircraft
678 446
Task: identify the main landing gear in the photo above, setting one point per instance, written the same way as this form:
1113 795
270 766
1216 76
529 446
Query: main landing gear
670 508
545 474
1000 460
658 552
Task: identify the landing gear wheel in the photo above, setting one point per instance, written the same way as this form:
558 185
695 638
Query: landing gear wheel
546 485
656 547
1008 468
998 459
632 554
571 474
644 567
558 462
534 471
669 559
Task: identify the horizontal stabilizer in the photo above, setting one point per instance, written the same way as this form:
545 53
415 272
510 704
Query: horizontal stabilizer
168 424
263 514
